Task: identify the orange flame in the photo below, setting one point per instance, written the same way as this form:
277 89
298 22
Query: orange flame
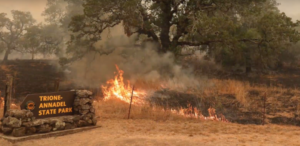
194 113
1 102
118 89
12 105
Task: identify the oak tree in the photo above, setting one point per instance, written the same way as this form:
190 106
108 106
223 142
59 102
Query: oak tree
12 29
233 32
30 42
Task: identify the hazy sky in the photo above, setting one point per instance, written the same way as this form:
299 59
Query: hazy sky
36 7
290 7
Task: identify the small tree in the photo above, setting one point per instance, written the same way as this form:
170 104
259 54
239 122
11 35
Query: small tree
12 29
58 14
41 39
30 42
51 39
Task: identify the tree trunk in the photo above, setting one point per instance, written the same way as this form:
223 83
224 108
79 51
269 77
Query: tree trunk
248 69
7 52
248 61
32 56
165 26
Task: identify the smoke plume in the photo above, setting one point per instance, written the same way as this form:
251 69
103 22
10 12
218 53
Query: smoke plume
138 63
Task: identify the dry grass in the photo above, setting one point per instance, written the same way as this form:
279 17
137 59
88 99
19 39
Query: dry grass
5 68
116 109
175 133
240 90
232 87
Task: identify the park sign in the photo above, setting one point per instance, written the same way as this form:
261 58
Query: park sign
44 105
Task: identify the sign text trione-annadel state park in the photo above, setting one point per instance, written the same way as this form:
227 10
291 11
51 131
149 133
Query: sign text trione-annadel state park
53 104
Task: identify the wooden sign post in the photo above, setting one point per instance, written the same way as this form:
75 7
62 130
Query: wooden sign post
56 85
4 101
8 93
130 103
264 108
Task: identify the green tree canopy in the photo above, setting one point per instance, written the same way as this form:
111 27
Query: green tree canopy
232 31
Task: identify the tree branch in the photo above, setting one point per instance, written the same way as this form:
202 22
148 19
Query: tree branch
2 38
176 6
142 30
255 41
21 30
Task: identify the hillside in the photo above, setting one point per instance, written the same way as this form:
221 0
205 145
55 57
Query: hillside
31 76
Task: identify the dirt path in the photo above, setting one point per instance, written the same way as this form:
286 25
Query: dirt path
172 133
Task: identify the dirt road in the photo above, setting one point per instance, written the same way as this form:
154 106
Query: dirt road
116 132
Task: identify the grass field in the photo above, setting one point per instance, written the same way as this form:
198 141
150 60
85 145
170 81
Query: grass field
123 132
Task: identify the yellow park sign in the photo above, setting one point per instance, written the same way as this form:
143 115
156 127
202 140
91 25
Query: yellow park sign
53 104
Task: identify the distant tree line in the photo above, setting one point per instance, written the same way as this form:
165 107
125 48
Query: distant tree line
22 34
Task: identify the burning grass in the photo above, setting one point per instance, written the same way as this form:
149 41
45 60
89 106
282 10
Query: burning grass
233 98
117 88
116 92
117 109
12 106
1 106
